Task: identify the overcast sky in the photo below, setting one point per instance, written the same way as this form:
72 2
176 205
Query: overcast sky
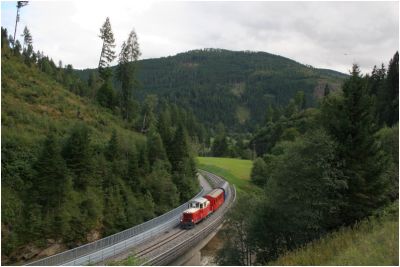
322 34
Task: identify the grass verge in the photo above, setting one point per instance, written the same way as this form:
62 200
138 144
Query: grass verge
374 241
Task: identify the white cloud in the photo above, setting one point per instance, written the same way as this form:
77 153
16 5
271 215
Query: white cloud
323 34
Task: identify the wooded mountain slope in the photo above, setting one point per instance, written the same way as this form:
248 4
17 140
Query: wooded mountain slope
72 171
231 87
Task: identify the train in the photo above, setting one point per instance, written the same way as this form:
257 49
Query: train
202 207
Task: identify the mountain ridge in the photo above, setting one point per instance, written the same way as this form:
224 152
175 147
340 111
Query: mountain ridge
231 87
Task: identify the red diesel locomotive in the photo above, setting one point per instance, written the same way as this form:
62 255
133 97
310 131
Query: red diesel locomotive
200 208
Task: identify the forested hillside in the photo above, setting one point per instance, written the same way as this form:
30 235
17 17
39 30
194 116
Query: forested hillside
321 169
234 88
74 171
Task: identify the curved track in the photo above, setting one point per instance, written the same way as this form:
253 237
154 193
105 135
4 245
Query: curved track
178 243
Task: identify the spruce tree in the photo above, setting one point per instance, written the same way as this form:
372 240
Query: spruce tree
4 40
164 126
78 156
133 173
107 53
220 146
155 147
350 121
179 148
392 108
106 95
51 175
149 118
259 172
27 37
17 48
126 72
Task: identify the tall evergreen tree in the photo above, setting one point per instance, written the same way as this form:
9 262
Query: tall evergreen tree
259 172
179 148
164 126
149 118
392 109
126 72
155 147
17 48
51 175
220 146
133 173
350 121
78 156
106 95
107 53
27 37
4 40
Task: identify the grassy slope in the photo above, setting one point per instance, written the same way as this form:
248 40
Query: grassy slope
371 242
236 171
32 102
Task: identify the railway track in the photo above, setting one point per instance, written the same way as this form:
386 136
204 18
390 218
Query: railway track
147 250
171 247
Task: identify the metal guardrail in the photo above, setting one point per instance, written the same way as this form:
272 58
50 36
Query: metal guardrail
112 245
174 252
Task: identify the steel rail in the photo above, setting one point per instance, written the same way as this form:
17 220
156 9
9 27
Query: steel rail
172 253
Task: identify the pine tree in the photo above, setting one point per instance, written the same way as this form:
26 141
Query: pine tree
179 148
259 172
78 156
392 108
106 96
51 175
220 146
164 126
162 189
155 147
107 53
27 37
4 40
126 72
133 171
17 48
149 118
350 121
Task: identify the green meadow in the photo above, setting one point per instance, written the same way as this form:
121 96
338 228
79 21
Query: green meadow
235 171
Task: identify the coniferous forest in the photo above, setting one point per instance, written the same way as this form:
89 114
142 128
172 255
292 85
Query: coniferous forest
89 153
62 148
320 169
